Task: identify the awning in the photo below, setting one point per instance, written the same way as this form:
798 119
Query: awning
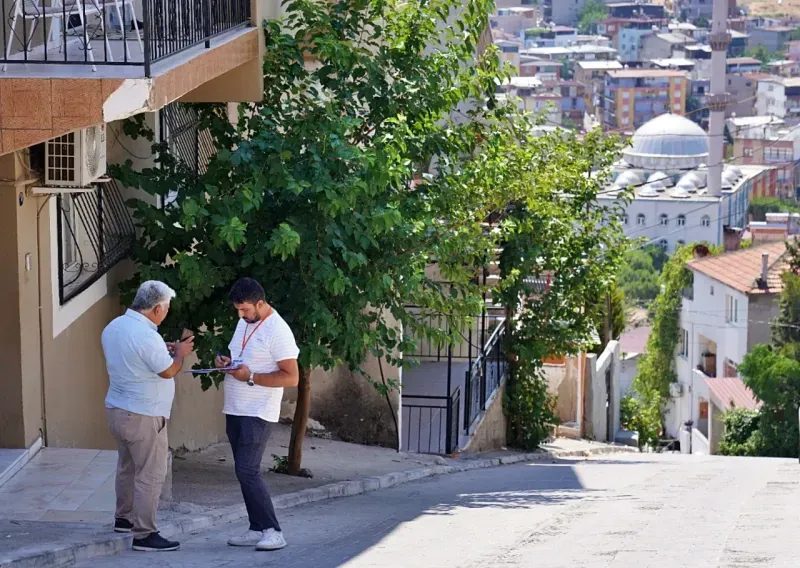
731 392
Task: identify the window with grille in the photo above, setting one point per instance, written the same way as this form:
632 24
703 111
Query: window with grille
95 232
194 146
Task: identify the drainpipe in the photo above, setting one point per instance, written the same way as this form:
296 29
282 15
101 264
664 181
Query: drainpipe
41 327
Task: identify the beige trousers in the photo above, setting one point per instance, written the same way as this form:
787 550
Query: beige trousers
141 467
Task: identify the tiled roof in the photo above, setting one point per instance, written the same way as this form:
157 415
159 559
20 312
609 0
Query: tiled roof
732 393
742 268
641 73
743 61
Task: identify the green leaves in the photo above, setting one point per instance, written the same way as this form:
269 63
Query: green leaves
284 241
231 231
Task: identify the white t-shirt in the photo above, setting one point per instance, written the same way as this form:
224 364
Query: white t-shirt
273 341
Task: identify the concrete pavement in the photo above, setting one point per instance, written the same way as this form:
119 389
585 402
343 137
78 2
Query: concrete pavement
72 535
618 511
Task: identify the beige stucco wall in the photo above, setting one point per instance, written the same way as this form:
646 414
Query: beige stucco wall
563 382
20 405
491 432
75 380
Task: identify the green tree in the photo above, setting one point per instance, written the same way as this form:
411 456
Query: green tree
593 11
638 276
558 259
348 180
763 55
760 206
341 186
772 372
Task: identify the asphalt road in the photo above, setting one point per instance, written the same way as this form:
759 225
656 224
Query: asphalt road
621 511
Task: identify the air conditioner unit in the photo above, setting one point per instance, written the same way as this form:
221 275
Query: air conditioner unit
77 159
676 390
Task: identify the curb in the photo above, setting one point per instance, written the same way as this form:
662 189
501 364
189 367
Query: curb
68 554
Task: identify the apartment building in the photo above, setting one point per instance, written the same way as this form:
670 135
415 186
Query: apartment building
632 97
766 140
65 232
779 96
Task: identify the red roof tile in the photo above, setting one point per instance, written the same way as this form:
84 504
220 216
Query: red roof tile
731 392
742 268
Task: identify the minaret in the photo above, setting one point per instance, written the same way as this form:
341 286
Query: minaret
719 39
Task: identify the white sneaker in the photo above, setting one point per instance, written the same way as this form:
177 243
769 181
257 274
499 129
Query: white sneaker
250 538
272 540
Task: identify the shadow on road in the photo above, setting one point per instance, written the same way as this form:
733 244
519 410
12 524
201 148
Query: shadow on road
361 523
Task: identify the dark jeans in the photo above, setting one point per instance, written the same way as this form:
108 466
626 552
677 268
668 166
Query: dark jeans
248 436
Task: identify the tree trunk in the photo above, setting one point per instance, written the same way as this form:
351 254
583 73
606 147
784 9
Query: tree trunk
300 422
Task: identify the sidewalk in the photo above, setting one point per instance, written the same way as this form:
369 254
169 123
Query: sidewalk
59 507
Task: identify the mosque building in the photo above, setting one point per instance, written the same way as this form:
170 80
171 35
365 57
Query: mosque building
666 167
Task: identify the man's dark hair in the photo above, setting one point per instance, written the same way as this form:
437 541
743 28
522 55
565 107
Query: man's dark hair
246 291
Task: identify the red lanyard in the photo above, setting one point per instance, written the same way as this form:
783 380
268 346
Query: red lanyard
246 338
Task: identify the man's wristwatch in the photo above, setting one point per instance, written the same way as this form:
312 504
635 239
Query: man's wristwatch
251 381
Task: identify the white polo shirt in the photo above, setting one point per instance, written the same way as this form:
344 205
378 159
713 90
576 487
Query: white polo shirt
273 341
135 354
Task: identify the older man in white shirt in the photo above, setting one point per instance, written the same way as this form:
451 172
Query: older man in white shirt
141 367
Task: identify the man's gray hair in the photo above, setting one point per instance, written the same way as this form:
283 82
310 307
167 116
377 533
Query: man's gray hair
151 294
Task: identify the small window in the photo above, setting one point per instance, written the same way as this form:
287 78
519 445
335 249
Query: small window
711 291
663 219
625 219
681 220
640 220
731 309
676 106
748 152
706 221
663 244
681 243
684 343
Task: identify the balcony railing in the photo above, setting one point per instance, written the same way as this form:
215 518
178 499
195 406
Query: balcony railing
112 32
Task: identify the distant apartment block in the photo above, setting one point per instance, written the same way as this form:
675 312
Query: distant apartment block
779 96
772 38
634 96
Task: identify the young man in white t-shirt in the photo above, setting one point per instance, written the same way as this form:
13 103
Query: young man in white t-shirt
264 348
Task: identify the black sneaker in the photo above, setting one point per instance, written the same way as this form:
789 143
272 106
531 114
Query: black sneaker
154 542
122 526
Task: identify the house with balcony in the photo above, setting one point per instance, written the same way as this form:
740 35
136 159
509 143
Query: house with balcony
70 74
726 310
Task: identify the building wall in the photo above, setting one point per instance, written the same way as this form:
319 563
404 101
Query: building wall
771 40
762 309
692 231
21 403
595 419
771 99
629 366
704 319
491 432
743 90
563 380
629 41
